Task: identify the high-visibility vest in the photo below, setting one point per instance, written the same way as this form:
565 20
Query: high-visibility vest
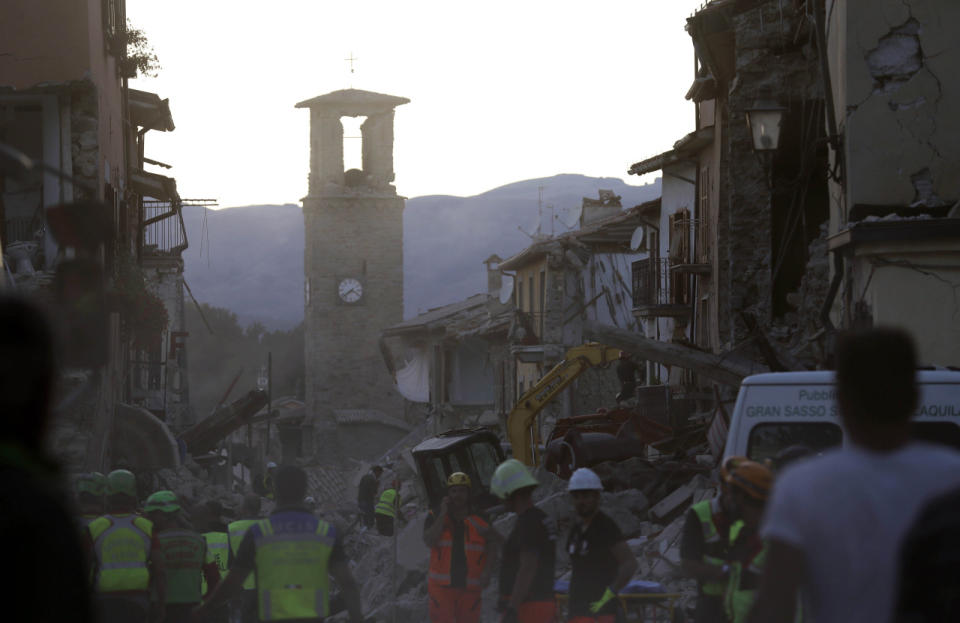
236 530
738 601
218 549
715 544
474 547
121 545
389 503
291 572
183 554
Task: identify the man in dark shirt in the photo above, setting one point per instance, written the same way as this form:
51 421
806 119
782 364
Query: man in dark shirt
367 494
601 559
529 554
283 552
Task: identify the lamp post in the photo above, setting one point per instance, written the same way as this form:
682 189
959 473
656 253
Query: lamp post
764 121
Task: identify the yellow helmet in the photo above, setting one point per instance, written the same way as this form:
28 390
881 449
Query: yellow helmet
458 479
752 478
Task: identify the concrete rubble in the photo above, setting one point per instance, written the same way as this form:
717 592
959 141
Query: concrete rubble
647 498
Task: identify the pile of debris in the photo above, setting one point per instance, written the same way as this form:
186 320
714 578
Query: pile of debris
648 498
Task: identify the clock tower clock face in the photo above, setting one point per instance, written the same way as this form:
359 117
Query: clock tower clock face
350 290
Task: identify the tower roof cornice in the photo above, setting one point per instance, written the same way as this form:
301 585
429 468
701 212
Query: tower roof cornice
354 102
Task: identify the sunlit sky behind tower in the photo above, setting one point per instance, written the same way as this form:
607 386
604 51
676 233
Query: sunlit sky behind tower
500 91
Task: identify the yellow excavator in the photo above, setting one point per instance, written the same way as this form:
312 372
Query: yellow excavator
521 431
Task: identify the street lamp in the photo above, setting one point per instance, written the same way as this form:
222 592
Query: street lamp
764 119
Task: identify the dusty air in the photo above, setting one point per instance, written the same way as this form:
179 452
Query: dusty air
500 314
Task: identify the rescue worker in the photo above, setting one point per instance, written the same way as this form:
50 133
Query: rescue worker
602 563
218 554
183 553
749 484
268 480
292 555
367 493
90 490
127 562
627 370
46 577
388 509
529 553
235 532
462 554
704 547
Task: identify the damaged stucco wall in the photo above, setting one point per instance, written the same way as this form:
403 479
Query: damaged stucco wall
915 285
893 66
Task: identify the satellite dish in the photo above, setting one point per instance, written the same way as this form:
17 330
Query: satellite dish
506 289
571 217
636 240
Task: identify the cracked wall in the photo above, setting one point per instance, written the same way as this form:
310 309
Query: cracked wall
892 67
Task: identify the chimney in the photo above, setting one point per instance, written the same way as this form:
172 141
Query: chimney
494 277
606 206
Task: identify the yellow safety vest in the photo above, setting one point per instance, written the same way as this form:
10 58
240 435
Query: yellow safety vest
121 545
291 572
389 503
218 550
713 542
236 530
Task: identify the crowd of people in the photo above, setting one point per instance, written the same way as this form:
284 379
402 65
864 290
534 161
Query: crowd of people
866 532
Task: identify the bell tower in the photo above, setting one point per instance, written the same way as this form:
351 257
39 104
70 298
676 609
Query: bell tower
353 261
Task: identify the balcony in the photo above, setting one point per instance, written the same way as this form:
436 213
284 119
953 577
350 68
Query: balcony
163 229
658 291
690 246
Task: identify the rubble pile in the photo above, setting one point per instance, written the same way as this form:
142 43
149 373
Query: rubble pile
648 498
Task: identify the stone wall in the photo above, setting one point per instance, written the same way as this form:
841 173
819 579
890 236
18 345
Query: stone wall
361 237
775 57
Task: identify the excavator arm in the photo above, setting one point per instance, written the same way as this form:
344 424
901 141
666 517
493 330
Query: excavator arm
520 424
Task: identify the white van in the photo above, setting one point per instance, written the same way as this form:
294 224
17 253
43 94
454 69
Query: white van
781 409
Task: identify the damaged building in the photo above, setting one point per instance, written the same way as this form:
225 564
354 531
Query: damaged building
895 138
96 215
453 362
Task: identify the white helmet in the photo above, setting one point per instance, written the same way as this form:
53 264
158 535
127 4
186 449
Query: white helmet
584 480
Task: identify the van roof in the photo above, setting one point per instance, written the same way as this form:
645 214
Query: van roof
825 377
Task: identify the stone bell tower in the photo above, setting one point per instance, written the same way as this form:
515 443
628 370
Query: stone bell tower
353 260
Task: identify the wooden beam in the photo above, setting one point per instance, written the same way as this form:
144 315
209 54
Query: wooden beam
726 369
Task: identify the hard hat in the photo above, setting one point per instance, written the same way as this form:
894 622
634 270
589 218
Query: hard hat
163 501
458 479
584 480
271 464
729 464
122 482
309 500
752 478
510 476
93 483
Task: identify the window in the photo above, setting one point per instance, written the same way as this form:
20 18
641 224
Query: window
485 461
767 440
543 299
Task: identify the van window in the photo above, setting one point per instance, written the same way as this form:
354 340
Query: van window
767 440
945 433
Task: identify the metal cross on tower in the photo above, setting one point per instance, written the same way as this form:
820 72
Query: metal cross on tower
350 60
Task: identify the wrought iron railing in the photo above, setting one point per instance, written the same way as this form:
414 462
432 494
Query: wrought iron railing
655 284
163 229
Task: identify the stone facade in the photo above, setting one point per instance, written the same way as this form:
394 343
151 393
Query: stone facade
768 208
353 223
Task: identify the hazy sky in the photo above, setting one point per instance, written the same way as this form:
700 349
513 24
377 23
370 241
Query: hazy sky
500 91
